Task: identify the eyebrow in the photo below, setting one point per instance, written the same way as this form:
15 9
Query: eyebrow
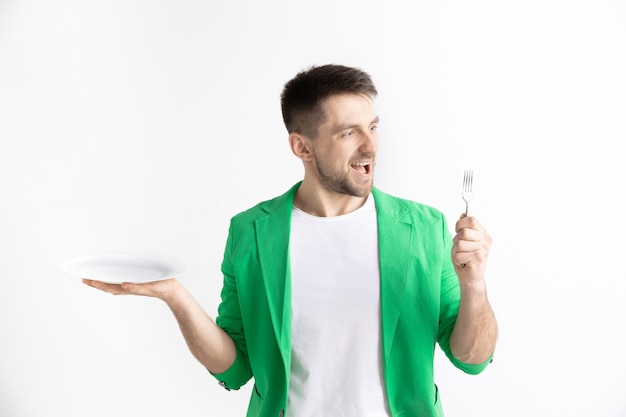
345 126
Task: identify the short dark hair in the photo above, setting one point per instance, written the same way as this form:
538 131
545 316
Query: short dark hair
301 99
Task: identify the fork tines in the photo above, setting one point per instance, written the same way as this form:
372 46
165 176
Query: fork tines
468 179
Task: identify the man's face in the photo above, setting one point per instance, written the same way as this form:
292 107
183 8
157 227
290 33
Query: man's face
344 151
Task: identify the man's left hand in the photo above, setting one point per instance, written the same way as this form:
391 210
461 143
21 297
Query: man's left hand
470 250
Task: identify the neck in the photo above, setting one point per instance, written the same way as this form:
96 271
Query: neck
317 201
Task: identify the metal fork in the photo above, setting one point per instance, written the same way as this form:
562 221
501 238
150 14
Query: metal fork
468 179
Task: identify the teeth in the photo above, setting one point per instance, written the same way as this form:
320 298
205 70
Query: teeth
361 164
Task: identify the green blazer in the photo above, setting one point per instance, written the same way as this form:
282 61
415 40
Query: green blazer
419 303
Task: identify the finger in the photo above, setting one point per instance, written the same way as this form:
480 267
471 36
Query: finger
115 289
470 245
469 242
468 223
466 247
478 237
469 235
463 223
462 258
478 257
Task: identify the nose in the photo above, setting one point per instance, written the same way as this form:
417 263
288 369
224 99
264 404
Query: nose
370 142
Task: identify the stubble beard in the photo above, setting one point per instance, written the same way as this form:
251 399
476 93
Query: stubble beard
339 182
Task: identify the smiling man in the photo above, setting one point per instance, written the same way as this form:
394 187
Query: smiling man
335 294
339 159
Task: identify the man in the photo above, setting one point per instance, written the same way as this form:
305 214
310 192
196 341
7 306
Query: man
336 293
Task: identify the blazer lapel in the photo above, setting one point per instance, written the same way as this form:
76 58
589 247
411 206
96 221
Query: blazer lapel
395 237
272 234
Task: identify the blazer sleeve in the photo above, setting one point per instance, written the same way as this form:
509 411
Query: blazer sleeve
230 320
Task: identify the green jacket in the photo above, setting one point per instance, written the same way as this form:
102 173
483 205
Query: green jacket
419 303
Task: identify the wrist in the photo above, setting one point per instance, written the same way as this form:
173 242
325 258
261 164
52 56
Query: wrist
474 288
173 294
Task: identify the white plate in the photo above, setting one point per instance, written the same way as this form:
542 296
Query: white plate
115 269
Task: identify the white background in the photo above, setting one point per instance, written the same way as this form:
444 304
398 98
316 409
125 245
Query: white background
143 126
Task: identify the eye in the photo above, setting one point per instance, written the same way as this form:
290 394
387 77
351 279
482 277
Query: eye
373 128
348 133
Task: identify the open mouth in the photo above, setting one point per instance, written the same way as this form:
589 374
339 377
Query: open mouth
362 167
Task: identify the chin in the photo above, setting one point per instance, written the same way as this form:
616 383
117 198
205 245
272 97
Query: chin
363 191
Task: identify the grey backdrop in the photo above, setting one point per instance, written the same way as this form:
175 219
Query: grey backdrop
143 126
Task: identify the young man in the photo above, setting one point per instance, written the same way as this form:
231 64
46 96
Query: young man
336 293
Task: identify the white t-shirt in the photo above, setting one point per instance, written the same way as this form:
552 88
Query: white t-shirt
336 362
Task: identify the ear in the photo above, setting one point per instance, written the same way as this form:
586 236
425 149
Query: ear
301 146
